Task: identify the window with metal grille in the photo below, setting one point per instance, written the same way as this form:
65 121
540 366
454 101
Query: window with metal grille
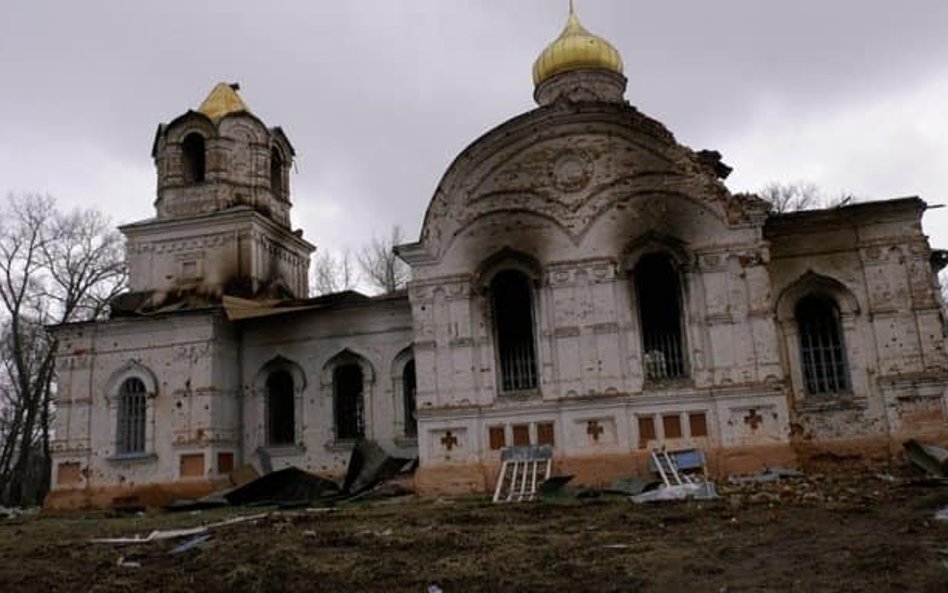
348 401
512 303
659 299
192 158
132 407
281 409
825 369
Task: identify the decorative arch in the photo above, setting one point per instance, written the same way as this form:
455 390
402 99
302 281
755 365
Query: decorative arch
130 391
507 259
812 283
281 382
654 242
348 378
405 388
818 316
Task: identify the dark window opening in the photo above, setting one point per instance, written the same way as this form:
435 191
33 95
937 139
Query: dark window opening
192 152
646 431
409 389
281 409
821 346
545 434
131 416
348 401
496 437
276 174
656 283
521 435
513 316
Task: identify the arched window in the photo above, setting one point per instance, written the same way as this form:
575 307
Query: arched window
512 304
192 158
825 369
276 174
348 401
659 299
281 411
132 407
409 389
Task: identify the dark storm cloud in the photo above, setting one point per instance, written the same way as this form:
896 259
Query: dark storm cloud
378 97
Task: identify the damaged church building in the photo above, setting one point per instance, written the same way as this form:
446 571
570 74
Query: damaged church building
581 280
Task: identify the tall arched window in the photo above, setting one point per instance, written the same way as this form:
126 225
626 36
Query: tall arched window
512 305
281 409
192 158
276 174
348 401
659 299
132 407
409 389
825 369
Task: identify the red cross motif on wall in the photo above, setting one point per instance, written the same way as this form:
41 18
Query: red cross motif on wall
594 430
449 441
753 419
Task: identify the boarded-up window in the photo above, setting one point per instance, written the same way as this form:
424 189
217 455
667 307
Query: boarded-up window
131 416
497 438
192 465
545 434
68 473
699 424
672 426
225 463
512 299
281 409
646 431
521 435
348 401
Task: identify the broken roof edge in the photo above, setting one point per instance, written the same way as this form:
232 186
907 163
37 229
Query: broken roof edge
239 309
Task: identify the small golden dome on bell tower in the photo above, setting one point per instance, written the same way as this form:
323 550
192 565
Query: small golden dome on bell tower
575 49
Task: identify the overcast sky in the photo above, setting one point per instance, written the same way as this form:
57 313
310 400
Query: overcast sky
379 96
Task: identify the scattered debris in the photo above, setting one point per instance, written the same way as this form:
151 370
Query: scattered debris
684 475
128 563
688 490
370 464
175 533
933 460
288 485
942 514
435 588
770 474
191 544
632 485
522 470
554 487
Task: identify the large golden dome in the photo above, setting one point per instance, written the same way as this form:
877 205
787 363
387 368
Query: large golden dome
574 49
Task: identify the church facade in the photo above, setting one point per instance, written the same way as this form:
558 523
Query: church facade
581 280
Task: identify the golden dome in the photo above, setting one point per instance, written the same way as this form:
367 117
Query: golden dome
575 48
223 100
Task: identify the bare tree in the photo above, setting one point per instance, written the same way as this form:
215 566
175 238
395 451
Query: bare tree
54 268
383 269
801 195
333 273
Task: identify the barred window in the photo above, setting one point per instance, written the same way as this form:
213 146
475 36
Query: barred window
409 389
348 401
659 300
281 409
131 416
512 302
825 369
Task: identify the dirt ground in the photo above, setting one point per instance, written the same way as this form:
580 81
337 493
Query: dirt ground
822 533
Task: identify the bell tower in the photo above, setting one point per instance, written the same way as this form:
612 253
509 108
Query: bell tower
222 223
